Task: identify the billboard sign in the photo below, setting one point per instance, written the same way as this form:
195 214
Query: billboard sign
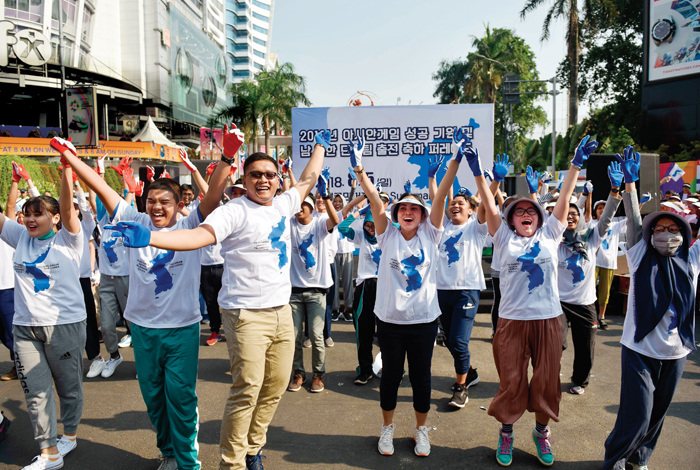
82 116
674 39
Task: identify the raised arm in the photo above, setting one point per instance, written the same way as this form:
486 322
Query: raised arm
493 219
630 164
353 202
375 202
434 162
583 151
309 176
498 174
322 187
69 217
532 177
459 147
196 175
233 139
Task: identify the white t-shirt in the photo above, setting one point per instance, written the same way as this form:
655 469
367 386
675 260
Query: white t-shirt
331 242
210 255
7 274
663 342
163 285
88 225
607 253
528 268
311 259
460 252
47 272
114 256
255 244
344 245
407 280
370 254
577 274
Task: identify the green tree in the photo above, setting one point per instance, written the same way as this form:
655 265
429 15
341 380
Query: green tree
569 9
265 103
451 77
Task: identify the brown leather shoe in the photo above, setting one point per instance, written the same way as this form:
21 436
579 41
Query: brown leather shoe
12 375
317 384
297 381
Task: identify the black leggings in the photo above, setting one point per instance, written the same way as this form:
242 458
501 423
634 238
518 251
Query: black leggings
496 302
396 343
364 320
92 339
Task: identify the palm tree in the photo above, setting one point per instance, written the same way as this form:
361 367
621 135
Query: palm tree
570 10
485 68
450 77
265 102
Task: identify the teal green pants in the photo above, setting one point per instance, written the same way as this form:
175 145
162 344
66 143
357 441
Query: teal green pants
166 364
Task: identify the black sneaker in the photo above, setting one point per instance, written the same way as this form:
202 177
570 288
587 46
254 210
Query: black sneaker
254 462
472 377
460 397
348 315
4 427
362 379
602 324
335 316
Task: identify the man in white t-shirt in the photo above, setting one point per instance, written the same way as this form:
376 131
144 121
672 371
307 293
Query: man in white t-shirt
254 232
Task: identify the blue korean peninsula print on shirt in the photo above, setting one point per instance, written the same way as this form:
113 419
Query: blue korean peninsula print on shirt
41 280
410 270
305 254
576 270
275 237
164 281
451 250
533 270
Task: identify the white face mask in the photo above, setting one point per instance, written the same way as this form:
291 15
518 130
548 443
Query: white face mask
667 243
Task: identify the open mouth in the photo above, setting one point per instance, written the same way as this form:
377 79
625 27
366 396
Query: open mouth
158 216
456 211
527 223
32 226
408 220
262 187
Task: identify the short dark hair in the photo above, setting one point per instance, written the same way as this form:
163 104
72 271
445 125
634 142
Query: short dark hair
257 156
186 187
43 204
167 184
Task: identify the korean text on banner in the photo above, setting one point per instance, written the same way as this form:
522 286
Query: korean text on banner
399 140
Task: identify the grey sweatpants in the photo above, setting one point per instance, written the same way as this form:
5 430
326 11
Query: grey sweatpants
45 355
343 270
113 293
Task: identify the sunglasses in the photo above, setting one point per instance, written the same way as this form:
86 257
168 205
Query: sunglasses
270 175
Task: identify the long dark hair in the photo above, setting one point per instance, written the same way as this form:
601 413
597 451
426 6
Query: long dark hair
43 205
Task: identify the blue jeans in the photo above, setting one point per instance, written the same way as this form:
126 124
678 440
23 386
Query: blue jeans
646 390
7 312
311 305
458 309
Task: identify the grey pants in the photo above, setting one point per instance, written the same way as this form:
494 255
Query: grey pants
45 355
313 305
343 271
113 293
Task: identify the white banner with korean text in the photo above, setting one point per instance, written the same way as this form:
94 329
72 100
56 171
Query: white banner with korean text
399 140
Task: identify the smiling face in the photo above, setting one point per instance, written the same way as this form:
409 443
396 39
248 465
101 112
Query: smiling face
39 222
369 228
572 218
409 216
320 204
259 188
162 208
526 224
237 192
338 203
187 197
20 218
599 211
460 210
305 214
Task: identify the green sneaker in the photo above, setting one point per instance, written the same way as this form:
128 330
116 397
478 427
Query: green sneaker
544 450
504 453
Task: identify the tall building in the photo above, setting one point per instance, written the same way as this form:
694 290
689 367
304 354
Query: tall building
248 35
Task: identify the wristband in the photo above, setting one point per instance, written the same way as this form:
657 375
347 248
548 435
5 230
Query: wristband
615 190
285 176
360 171
326 198
227 160
576 166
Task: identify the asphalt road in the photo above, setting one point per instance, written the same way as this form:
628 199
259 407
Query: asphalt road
339 428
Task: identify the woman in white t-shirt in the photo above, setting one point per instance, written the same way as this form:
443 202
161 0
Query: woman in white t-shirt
659 332
406 305
49 322
529 324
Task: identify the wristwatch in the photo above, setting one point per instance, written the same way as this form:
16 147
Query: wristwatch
326 198
663 31
614 190
225 159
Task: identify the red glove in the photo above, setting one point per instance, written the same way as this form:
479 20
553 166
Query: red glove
139 189
233 139
212 166
185 159
129 179
233 171
18 172
61 145
150 173
123 165
165 174
75 177
201 196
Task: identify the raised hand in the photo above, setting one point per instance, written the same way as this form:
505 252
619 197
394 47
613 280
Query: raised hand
434 162
322 186
73 175
630 164
129 179
133 234
458 142
123 164
323 138
326 172
233 139
583 151
615 174
100 168
285 164
364 210
646 197
356 150
472 154
500 167
379 187
560 181
532 178
186 161
587 187
488 175
351 173
18 173
61 145
165 174
151 173
211 167
139 189
546 177
465 191
407 186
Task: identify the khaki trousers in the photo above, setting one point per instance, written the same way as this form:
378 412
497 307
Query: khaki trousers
261 347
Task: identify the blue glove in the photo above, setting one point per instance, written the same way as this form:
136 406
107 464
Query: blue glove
352 173
356 152
133 235
326 172
434 162
488 175
587 187
364 210
379 187
472 154
323 138
322 186
583 151
646 198
615 174
407 186
500 167
630 164
464 190
532 178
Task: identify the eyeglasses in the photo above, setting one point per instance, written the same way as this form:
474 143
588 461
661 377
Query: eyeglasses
521 212
667 228
270 175
572 214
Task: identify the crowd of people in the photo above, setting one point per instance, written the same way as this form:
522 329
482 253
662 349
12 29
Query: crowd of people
265 258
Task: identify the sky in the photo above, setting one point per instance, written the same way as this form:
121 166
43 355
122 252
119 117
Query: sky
392 48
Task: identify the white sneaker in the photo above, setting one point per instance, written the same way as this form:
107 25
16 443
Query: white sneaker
167 463
96 368
386 440
65 445
638 467
422 448
125 342
42 462
110 366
